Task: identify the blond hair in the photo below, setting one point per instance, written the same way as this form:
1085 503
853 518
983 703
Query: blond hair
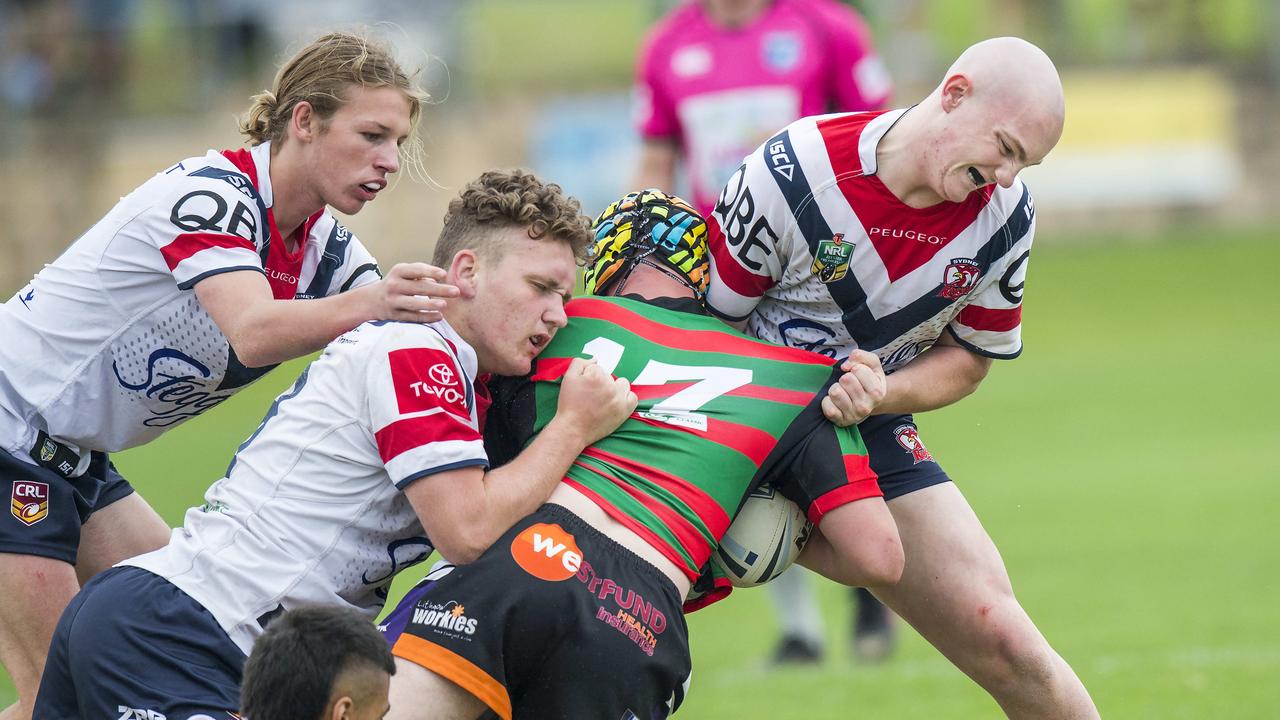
501 199
319 74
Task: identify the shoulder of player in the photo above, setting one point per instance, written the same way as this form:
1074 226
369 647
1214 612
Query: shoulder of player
377 338
673 30
202 191
331 235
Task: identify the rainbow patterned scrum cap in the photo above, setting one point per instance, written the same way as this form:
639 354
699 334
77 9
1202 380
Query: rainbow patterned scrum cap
653 228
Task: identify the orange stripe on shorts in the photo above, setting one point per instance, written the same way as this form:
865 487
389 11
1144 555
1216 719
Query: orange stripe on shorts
457 669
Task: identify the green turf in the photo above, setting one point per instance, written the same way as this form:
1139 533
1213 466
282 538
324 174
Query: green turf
1126 465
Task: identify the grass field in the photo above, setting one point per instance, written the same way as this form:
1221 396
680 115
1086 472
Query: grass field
1128 466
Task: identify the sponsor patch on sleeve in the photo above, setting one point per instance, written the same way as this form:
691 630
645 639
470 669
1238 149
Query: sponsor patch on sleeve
426 379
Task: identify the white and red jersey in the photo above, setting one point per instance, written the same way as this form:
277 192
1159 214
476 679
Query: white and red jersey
719 92
108 347
810 245
311 509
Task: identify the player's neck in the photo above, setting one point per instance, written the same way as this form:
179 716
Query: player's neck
292 200
901 160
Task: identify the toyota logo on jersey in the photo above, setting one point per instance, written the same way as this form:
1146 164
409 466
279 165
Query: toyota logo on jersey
425 379
29 501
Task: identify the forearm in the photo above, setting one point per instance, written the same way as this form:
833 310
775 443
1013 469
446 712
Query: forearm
280 330
941 376
516 489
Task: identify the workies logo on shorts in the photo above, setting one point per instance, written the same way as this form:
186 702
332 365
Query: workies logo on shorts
909 439
547 552
831 261
450 617
29 501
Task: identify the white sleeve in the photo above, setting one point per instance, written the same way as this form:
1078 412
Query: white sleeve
206 224
743 234
421 406
990 324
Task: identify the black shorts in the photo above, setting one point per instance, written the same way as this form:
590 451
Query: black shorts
898 455
46 509
555 620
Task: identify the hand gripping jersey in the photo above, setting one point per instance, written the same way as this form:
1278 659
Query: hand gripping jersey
720 92
311 509
719 414
811 246
108 346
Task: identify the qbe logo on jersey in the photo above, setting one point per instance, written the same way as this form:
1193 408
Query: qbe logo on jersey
29 501
547 552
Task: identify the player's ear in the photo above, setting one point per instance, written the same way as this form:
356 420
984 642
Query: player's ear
303 122
342 709
464 272
954 91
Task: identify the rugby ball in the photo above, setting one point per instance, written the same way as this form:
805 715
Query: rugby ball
764 538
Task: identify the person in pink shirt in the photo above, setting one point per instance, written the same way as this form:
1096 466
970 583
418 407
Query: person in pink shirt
715 78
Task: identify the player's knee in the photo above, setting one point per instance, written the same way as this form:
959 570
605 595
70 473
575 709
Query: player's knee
1018 655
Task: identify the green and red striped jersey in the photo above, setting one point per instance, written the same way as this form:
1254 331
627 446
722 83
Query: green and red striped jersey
719 414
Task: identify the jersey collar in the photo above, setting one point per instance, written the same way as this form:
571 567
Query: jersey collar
871 135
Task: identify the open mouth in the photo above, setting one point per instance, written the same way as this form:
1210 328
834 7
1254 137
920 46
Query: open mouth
373 187
539 341
976 177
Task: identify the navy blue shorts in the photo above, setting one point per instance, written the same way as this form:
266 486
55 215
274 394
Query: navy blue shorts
554 620
132 645
46 510
898 455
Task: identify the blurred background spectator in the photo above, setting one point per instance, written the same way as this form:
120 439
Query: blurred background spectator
1164 98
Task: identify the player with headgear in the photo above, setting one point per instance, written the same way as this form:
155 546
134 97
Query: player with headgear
577 611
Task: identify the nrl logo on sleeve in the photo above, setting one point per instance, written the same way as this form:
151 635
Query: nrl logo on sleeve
959 278
831 261
29 501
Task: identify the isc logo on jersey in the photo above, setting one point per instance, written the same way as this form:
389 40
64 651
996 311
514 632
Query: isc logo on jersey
547 552
29 501
426 379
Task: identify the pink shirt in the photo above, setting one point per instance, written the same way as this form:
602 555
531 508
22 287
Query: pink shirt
720 93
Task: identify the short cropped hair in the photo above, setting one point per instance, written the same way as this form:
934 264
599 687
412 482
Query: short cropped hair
503 199
291 671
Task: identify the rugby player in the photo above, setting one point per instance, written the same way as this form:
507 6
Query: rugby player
906 234
576 612
371 460
319 662
178 298
714 79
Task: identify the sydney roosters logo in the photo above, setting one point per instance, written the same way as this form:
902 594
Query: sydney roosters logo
959 278
909 439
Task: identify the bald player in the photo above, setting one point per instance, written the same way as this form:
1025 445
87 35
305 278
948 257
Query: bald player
900 240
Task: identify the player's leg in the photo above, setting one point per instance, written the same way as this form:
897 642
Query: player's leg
38 538
417 693
874 637
33 592
956 593
123 525
795 605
